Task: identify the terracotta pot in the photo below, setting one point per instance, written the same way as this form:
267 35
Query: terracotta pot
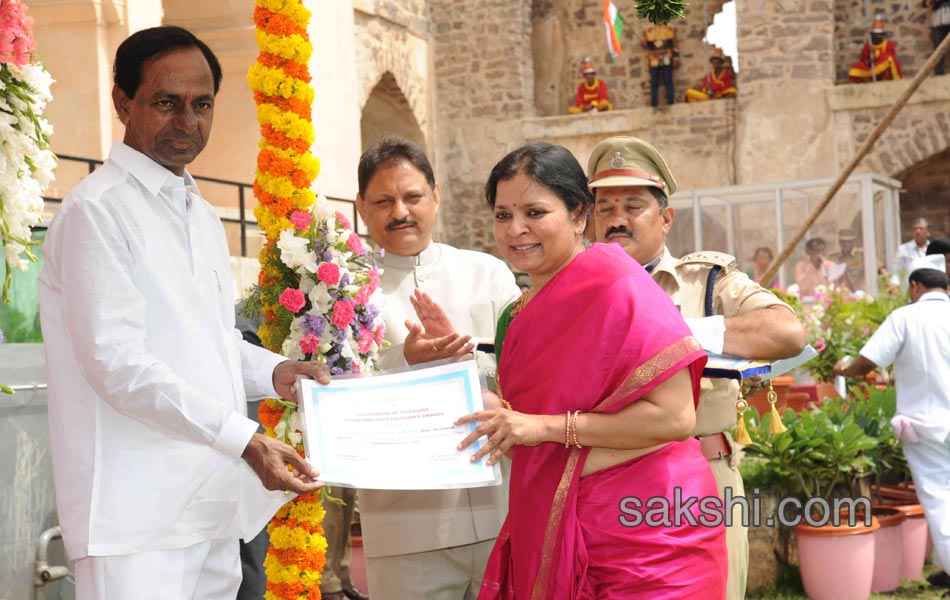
837 563
797 401
825 389
358 564
888 548
897 494
760 399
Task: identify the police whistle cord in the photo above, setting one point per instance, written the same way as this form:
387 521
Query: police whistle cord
925 70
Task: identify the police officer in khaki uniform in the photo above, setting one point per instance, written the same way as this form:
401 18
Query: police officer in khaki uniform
727 312
853 277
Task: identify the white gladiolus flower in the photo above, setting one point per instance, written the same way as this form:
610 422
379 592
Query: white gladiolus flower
26 164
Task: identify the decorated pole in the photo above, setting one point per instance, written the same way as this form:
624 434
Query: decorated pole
316 286
285 169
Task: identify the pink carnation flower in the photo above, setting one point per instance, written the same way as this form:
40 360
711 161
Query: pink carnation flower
354 367
343 220
16 33
362 297
380 334
343 314
366 340
328 273
300 219
310 344
373 280
292 299
355 244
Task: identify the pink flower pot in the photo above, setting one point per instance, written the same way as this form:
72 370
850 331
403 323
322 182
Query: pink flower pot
837 563
914 534
888 549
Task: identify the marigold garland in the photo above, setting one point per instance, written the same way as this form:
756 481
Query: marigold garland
285 169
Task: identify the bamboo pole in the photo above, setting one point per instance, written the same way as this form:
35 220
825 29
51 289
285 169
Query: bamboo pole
796 239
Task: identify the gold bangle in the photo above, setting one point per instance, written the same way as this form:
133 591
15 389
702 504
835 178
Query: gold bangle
577 444
567 430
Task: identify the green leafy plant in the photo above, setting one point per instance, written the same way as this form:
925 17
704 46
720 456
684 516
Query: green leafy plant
822 454
660 11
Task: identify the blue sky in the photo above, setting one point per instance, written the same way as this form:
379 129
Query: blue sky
722 32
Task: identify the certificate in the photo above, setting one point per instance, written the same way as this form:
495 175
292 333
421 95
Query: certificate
395 431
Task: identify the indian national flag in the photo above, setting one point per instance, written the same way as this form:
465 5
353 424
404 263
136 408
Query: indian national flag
613 24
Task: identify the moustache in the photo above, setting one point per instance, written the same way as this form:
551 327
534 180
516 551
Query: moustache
619 229
401 223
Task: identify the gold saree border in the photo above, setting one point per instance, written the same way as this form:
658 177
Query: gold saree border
651 369
554 520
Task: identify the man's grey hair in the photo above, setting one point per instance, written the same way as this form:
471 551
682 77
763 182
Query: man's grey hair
920 220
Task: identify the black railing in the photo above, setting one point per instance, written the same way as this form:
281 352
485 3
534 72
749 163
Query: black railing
243 190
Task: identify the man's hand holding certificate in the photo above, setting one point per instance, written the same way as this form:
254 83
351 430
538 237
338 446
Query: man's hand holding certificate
396 431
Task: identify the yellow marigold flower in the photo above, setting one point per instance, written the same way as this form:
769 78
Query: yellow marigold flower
285 122
310 578
292 47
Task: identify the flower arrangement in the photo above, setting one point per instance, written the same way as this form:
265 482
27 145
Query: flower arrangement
26 163
839 322
314 290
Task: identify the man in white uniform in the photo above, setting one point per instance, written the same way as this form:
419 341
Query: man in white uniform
915 339
916 247
148 379
430 544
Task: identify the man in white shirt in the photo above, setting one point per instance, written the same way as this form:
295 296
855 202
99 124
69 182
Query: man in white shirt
148 379
916 247
914 338
431 544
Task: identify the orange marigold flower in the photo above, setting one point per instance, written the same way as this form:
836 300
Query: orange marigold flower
293 69
279 139
269 414
300 179
276 23
289 591
294 105
275 165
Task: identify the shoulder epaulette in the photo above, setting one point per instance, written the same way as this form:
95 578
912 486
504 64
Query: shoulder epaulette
727 262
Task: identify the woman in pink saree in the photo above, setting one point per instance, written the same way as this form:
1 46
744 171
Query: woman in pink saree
600 377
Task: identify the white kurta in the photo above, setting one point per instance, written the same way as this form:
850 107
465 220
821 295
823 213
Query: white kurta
916 339
908 252
474 289
148 379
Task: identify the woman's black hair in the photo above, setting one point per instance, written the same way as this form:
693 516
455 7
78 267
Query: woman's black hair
551 166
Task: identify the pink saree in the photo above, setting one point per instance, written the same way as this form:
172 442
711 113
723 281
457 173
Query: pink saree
596 338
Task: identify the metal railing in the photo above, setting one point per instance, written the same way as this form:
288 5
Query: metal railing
244 190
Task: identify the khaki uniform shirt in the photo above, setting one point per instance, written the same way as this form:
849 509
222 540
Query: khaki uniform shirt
684 281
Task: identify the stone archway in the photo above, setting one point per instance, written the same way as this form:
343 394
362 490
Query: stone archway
387 111
926 193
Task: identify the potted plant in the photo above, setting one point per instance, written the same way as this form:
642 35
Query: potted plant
838 323
821 459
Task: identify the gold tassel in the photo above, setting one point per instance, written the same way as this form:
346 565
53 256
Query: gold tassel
775 425
742 435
